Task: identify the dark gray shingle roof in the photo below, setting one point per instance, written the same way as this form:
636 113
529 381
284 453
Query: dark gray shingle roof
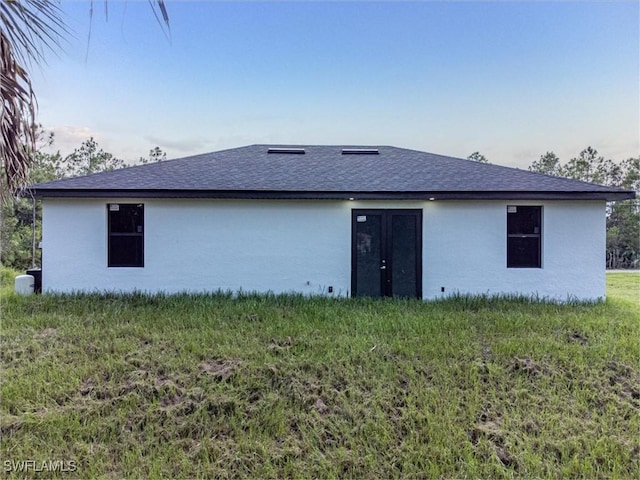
324 172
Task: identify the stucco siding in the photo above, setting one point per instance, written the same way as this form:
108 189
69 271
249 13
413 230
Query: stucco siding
202 245
305 246
465 249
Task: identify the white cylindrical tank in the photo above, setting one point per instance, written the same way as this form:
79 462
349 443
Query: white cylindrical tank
24 284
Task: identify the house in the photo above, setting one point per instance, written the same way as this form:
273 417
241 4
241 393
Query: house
330 220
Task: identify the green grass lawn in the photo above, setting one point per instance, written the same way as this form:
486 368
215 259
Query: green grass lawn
624 286
210 386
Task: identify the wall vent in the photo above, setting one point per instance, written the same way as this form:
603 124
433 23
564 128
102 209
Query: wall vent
296 151
360 151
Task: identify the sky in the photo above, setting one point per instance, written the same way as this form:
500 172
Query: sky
511 80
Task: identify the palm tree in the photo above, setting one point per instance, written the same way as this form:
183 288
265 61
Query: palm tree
28 29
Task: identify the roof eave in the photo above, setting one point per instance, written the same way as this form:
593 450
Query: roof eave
328 195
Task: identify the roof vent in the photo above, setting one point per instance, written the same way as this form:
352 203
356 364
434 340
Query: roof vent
360 151
297 151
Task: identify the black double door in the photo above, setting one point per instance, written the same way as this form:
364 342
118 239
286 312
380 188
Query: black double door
386 258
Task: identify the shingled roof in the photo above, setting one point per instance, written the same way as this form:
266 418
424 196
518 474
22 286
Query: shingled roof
327 172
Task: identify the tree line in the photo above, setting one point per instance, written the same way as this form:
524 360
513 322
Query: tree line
623 217
19 233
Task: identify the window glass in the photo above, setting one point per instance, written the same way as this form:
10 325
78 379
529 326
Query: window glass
404 255
524 227
525 220
125 218
126 235
369 255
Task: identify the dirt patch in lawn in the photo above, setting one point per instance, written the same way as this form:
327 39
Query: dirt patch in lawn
577 337
530 367
220 368
280 345
46 333
320 406
488 437
624 381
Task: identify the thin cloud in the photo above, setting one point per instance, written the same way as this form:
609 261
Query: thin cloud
66 138
186 145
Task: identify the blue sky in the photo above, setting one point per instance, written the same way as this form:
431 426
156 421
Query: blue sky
510 79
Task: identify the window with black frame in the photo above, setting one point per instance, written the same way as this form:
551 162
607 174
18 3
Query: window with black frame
126 235
524 236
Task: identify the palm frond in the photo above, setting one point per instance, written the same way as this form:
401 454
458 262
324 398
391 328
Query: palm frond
17 118
158 7
31 27
27 29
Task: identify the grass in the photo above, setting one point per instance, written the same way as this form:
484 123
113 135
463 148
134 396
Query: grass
257 386
624 286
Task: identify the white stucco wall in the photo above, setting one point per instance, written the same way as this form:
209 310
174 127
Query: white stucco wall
465 250
305 246
200 245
